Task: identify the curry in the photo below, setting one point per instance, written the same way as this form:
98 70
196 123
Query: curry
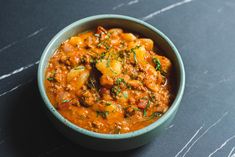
110 81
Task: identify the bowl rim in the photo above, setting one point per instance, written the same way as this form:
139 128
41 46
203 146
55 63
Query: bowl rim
59 117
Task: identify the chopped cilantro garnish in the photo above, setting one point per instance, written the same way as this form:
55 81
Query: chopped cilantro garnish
155 114
108 63
119 81
134 53
125 94
103 114
158 64
136 109
145 109
108 104
102 55
79 68
50 78
115 90
65 100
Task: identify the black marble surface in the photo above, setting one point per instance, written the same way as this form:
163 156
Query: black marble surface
203 32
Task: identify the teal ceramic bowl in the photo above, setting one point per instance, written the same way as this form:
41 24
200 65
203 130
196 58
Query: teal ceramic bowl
113 142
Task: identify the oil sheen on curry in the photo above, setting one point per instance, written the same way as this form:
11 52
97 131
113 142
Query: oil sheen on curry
109 81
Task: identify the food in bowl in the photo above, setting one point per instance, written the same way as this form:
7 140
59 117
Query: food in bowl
110 81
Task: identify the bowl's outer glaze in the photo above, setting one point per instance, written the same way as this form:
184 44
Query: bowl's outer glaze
108 142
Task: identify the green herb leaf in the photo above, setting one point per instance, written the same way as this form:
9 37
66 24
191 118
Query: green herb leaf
136 109
81 67
113 71
135 57
50 78
102 55
108 63
145 109
104 42
155 114
134 53
65 100
103 114
108 104
158 64
106 113
115 90
107 47
119 81
145 113
108 66
99 44
125 94
107 35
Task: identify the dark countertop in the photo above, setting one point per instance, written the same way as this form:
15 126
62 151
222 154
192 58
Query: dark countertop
203 32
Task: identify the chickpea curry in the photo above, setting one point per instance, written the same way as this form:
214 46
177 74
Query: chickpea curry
109 81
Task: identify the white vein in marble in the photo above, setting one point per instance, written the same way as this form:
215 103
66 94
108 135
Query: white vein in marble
169 127
205 132
17 41
125 4
132 2
230 153
190 140
221 146
14 88
18 70
150 16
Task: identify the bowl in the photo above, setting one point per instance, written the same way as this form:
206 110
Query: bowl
113 142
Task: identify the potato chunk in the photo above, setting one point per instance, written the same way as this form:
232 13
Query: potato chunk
78 76
138 55
147 43
109 67
115 31
115 112
75 41
106 81
165 63
128 37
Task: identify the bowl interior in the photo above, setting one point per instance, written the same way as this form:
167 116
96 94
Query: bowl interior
128 24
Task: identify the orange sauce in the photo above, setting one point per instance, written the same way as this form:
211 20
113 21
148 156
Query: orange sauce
109 81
